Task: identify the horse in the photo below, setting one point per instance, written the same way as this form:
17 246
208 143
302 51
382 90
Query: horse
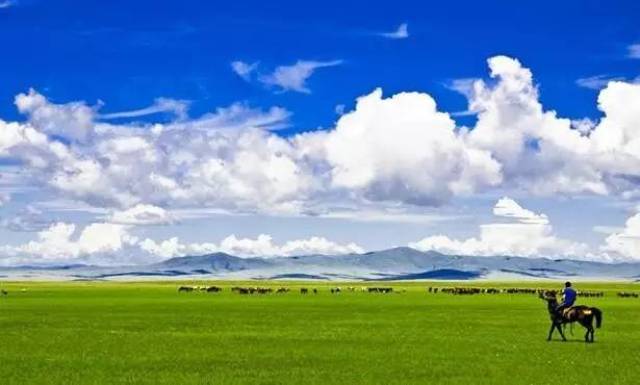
584 315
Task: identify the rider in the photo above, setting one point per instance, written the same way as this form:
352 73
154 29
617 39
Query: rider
568 297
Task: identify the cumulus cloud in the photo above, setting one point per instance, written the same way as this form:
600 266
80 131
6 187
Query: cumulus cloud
402 32
397 149
508 208
61 242
243 69
401 148
624 244
142 214
527 235
261 246
72 120
294 77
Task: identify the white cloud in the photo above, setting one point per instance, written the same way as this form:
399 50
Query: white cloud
530 235
243 69
633 51
508 208
6 4
142 214
58 243
72 120
400 148
596 82
179 108
624 244
396 149
294 77
261 246
402 32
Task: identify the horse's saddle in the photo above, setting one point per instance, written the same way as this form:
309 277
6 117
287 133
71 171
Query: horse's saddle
569 312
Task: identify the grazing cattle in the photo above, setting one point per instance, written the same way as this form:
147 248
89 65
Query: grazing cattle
380 290
335 290
4 292
623 294
213 289
315 291
186 289
304 290
282 290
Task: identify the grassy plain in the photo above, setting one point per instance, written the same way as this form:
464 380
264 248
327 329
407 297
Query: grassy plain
148 333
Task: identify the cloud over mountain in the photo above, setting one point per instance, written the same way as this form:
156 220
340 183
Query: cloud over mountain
399 150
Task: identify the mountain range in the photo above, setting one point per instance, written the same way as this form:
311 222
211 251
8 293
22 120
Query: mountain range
400 263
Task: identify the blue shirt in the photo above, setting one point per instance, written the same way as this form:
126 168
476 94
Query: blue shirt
569 296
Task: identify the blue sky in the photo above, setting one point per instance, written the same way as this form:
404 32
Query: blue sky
104 67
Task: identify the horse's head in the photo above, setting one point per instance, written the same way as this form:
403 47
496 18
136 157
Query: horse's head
550 297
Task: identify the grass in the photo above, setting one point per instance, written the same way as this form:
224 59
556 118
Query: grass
147 333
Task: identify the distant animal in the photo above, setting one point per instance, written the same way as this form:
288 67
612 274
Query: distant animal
315 291
304 290
335 290
584 315
4 292
186 289
213 289
282 290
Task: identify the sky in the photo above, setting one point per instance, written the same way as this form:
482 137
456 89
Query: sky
132 132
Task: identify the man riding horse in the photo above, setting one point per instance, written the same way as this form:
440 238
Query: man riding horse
569 297
567 312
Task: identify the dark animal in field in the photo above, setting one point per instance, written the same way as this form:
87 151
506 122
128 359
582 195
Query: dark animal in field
380 289
213 289
186 289
584 315
590 293
335 290
304 290
623 294
282 290
315 291
4 292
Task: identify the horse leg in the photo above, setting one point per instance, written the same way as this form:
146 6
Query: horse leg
561 332
553 326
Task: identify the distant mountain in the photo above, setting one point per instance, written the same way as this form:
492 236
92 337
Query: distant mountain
217 262
400 263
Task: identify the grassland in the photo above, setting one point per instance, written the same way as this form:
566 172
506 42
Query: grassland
148 333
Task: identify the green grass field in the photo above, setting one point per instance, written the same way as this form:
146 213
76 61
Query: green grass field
148 333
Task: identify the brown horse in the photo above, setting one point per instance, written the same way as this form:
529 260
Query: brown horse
584 315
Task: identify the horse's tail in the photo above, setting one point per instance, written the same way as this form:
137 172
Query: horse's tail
598 314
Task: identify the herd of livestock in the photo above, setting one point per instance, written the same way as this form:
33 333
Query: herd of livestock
457 290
